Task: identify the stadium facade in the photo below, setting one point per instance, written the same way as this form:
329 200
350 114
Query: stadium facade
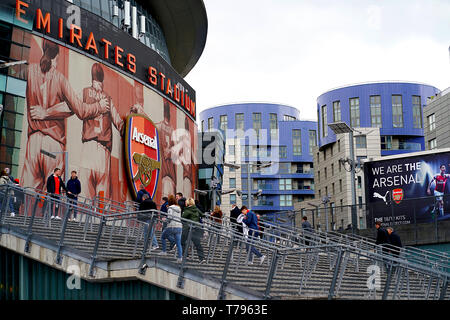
81 71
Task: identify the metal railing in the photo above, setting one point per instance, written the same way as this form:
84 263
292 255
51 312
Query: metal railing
331 262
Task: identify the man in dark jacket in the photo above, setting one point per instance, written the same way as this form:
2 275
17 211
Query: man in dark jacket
394 242
306 226
140 193
73 190
148 204
252 222
234 214
55 185
382 236
181 200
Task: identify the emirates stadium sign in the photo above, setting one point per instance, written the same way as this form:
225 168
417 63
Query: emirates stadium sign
142 154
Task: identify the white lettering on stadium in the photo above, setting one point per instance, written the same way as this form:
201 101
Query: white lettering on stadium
144 139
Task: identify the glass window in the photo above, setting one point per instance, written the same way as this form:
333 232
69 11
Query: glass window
223 123
354 113
232 182
417 112
231 150
288 118
283 152
337 111
360 142
397 111
285 184
324 121
431 122
203 126
239 121
232 199
432 144
257 123
386 142
375 111
273 125
285 200
297 142
210 124
312 141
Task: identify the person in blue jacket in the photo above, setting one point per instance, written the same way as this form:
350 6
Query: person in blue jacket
252 222
140 193
73 190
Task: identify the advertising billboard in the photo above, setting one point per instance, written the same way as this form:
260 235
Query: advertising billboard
408 189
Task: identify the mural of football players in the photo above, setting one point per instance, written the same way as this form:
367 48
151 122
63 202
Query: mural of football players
50 101
97 139
440 180
168 169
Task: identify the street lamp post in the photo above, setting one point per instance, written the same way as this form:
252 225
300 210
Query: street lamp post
342 127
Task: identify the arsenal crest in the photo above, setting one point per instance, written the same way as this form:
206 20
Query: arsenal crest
397 195
142 154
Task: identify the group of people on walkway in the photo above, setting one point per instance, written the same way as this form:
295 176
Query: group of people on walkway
175 207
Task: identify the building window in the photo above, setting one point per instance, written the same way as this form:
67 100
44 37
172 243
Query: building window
232 199
11 120
231 150
339 145
354 113
210 124
288 118
375 111
431 122
286 200
318 176
340 185
326 174
232 182
417 112
332 189
332 169
223 125
432 144
360 142
359 182
297 142
257 123
312 141
386 142
336 111
285 184
273 125
397 111
324 121
245 150
283 152
203 126
239 117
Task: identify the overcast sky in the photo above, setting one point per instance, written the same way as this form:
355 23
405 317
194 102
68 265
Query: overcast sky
292 51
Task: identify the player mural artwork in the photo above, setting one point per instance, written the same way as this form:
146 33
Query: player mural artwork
408 189
115 131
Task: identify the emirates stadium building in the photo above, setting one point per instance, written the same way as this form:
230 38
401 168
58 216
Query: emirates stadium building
97 86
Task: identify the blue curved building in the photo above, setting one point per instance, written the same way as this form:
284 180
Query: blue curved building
394 107
265 132
387 118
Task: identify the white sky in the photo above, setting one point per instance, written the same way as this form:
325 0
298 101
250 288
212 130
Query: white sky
292 51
